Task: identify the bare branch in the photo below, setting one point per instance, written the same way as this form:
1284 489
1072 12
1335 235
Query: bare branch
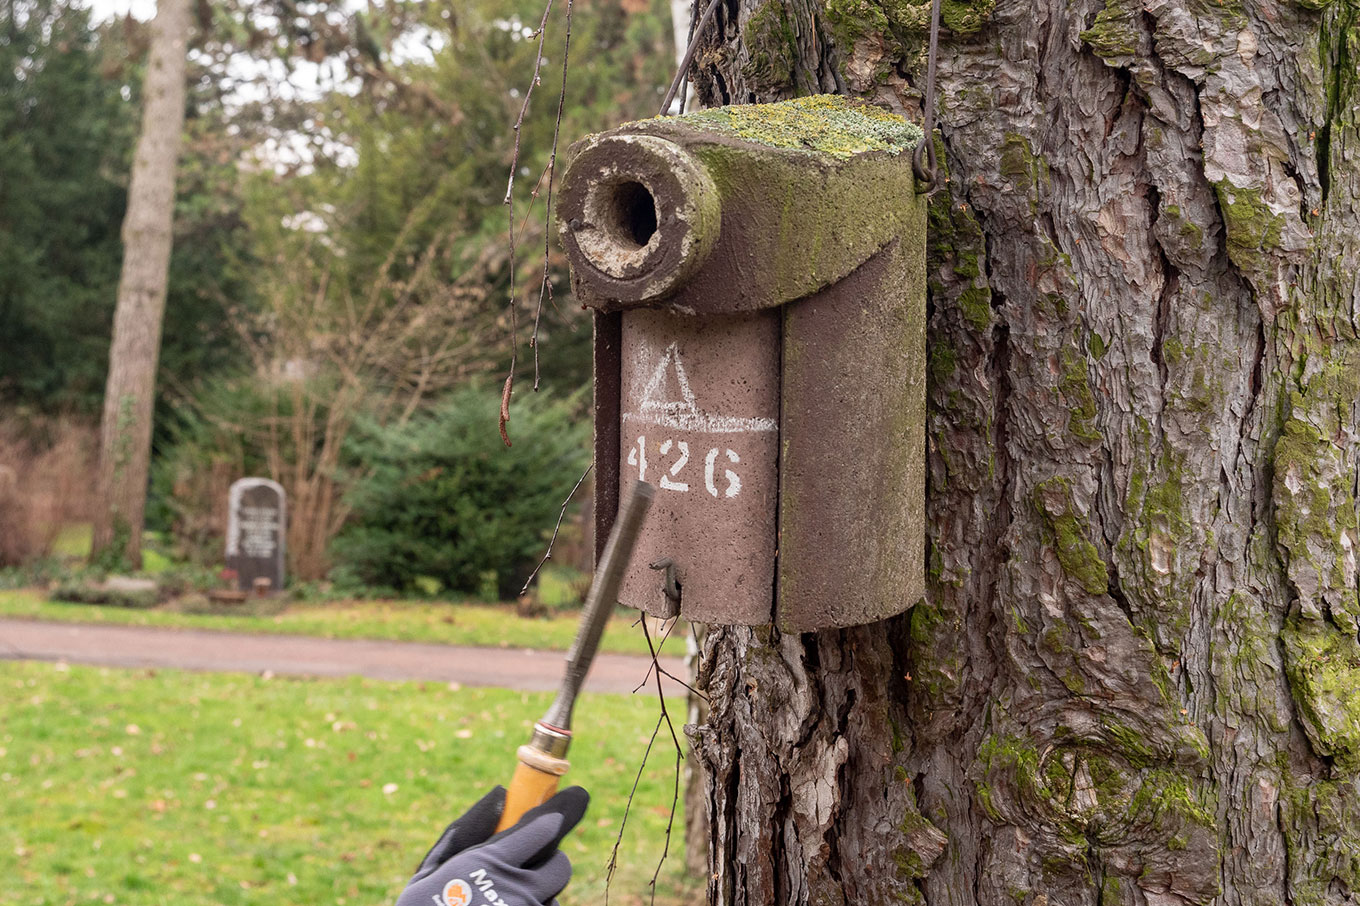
547 555
545 287
510 203
627 809
664 719
679 758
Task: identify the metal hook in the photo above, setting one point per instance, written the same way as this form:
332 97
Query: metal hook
669 586
923 161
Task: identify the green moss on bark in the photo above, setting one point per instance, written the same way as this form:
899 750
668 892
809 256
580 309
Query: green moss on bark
943 361
918 834
1323 666
1313 495
1068 532
1115 34
1019 162
1253 229
932 651
772 48
904 22
975 304
1076 390
1166 792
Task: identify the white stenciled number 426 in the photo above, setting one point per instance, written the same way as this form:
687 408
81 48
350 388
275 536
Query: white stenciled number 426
671 473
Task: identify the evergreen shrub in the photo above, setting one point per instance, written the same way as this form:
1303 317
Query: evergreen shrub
446 500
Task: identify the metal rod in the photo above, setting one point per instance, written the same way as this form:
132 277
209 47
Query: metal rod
689 55
923 161
600 602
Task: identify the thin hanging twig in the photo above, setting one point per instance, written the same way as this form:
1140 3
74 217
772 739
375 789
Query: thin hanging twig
656 664
689 55
663 719
684 73
547 555
679 763
675 679
509 387
545 288
627 809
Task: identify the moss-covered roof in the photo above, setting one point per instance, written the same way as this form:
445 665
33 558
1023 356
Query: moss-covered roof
841 127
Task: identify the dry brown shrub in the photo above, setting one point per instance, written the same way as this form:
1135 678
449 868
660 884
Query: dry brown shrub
199 491
46 483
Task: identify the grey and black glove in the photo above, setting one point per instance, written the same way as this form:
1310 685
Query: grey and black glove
520 866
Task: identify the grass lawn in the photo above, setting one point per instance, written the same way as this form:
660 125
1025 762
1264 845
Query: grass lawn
144 787
404 621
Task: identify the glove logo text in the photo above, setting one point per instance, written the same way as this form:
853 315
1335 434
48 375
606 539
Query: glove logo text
456 893
488 889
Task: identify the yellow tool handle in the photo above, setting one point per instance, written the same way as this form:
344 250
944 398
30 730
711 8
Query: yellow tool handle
534 783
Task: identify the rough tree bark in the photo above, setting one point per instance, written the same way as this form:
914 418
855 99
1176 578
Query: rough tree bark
1135 678
129 396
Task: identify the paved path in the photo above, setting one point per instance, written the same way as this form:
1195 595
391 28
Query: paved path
194 649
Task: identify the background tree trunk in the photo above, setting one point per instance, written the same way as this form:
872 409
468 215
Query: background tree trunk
1134 677
125 439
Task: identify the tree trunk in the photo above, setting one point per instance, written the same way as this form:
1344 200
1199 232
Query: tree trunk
129 396
1135 677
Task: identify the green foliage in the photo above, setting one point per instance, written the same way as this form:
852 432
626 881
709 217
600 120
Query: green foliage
87 593
38 571
64 145
114 558
69 112
446 500
414 181
178 579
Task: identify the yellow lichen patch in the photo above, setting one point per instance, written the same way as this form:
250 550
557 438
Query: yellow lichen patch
841 127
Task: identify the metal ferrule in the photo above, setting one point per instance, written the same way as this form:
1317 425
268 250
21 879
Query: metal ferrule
550 740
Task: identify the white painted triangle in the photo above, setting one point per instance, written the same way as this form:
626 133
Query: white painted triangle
657 408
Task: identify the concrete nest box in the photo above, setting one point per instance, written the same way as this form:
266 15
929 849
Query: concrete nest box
758 279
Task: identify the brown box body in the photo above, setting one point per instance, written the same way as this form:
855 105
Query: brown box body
760 358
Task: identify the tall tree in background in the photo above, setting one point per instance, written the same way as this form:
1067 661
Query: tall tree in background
125 437
1134 677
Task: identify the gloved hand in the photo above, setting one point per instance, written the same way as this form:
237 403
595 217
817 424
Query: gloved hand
520 866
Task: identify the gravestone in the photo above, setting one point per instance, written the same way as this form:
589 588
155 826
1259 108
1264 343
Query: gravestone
256 527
